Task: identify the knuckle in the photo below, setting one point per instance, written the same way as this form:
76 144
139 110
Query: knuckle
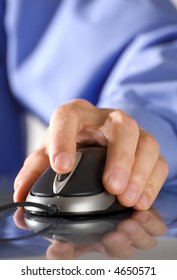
66 111
79 102
139 179
149 139
125 158
120 118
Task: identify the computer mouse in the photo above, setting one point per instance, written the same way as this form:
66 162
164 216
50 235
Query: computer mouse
80 192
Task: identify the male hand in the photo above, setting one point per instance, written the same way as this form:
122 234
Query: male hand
134 171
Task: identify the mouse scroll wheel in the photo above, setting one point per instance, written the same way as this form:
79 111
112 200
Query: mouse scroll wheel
62 177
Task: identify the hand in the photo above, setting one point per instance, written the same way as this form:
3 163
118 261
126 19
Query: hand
134 171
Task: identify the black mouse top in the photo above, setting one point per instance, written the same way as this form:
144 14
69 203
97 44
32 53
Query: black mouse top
76 193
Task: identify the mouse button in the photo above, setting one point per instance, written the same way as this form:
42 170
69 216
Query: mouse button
80 190
61 179
44 185
87 178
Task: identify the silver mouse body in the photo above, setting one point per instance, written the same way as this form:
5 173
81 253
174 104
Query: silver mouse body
79 192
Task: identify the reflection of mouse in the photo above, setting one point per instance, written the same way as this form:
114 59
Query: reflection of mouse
76 230
79 192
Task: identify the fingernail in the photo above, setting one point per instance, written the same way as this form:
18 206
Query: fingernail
63 161
143 201
117 180
131 193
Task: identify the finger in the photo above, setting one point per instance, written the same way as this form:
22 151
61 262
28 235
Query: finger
60 251
18 218
117 245
65 250
65 125
147 154
122 133
83 249
138 237
33 167
150 222
153 186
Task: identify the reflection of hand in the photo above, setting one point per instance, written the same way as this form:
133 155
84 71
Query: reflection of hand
135 232
138 231
135 171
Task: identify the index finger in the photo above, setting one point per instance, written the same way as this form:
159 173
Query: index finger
66 123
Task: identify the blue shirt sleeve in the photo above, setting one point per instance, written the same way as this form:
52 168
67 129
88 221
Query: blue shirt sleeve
144 84
12 130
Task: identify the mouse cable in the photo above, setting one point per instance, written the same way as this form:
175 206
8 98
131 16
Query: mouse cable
12 205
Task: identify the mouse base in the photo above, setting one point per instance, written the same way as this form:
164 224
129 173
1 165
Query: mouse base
115 208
